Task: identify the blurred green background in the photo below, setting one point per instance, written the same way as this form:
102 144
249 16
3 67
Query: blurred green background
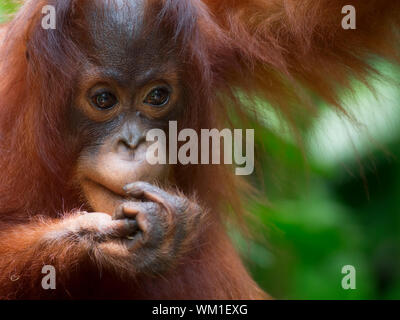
335 201
7 7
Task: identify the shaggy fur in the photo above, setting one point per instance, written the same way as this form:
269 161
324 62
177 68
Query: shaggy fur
279 50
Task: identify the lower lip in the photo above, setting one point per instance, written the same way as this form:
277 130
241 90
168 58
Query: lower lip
121 195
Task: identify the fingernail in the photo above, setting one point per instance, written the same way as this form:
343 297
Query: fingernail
129 210
127 187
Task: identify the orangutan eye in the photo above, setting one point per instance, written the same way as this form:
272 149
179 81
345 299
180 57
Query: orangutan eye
104 100
158 97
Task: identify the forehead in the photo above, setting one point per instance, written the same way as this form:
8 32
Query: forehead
126 39
123 19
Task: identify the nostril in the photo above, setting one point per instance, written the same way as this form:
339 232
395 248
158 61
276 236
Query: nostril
126 144
123 146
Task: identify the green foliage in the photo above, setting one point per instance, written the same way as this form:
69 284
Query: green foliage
331 208
7 7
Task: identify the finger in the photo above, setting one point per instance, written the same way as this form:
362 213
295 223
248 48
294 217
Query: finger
146 190
123 228
118 213
143 212
125 210
132 209
150 192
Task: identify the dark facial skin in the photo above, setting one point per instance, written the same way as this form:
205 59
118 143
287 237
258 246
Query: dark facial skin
128 85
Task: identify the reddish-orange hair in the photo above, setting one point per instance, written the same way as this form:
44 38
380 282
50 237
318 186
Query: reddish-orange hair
282 51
